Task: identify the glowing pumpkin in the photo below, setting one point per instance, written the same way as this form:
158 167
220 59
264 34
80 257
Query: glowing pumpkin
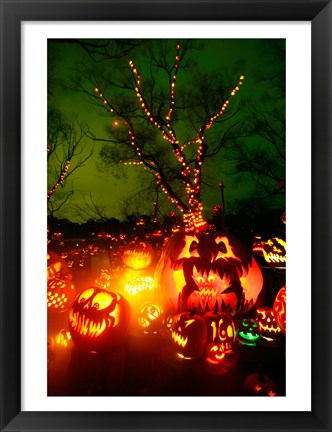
268 325
274 252
214 352
220 329
151 317
257 384
248 332
137 255
202 269
189 335
99 319
279 309
138 284
60 294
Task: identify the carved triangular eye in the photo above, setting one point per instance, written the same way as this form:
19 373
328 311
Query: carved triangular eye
193 246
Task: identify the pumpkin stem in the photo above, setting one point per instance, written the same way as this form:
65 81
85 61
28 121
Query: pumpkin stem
193 311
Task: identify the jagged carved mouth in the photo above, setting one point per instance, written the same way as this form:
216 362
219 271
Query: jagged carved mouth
180 340
211 284
89 327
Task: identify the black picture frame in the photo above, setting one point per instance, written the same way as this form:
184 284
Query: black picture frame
13 12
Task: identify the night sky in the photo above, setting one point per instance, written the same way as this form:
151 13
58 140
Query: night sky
226 58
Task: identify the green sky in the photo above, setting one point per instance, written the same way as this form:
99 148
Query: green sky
227 57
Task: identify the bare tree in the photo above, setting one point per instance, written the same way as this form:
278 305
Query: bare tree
158 124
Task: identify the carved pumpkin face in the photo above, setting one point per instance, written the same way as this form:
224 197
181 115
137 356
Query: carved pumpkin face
204 269
60 294
138 284
137 255
248 332
274 252
99 319
214 352
268 325
279 309
189 335
220 329
151 317
258 384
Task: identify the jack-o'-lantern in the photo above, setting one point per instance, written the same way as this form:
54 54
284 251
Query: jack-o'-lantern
60 294
203 269
248 332
279 308
151 317
274 252
258 245
138 284
214 352
99 319
189 335
258 384
220 329
268 325
137 255
104 279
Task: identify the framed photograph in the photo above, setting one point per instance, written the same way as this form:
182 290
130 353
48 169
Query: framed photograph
177 136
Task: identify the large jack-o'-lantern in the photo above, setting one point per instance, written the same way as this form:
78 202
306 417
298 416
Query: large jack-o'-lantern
204 269
99 319
279 308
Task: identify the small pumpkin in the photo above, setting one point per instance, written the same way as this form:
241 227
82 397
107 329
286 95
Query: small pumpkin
60 293
151 317
274 252
248 332
268 325
258 384
279 308
137 255
99 319
214 352
138 284
189 335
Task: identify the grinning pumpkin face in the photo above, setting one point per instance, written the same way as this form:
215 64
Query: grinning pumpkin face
267 323
189 335
205 269
279 308
99 319
137 255
248 332
214 352
274 252
220 329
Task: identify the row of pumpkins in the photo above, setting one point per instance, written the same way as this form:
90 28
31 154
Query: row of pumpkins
212 278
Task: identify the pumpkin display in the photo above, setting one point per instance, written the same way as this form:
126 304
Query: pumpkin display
274 252
189 335
214 352
137 255
248 332
203 269
220 329
267 323
99 319
60 293
258 384
279 308
151 317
